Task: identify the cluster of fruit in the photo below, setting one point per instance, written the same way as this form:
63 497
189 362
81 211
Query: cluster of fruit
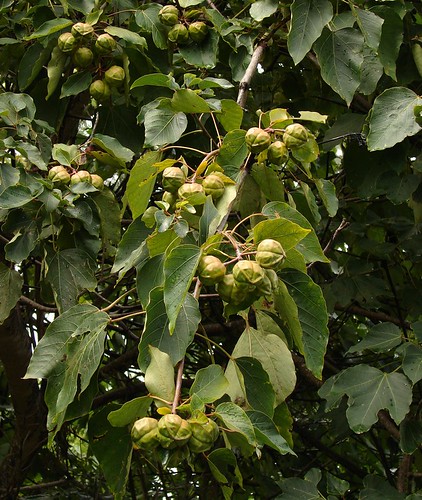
249 279
60 175
86 48
185 25
294 136
198 433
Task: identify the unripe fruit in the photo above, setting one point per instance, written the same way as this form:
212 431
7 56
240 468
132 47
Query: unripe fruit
59 174
173 178
115 76
105 44
257 139
193 193
211 270
173 430
203 436
144 433
81 176
198 31
277 153
178 34
66 42
230 291
100 90
169 198
81 30
248 272
269 254
83 57
169 15
295 135
214 186
97 181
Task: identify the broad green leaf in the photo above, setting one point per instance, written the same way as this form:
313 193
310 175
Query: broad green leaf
22 244
287 233
327 192
210 384
412 362
263 8
204 54
231 115
150 274
223 465
33 154
208 221
267 433
410 435
372 71
159 376
110 217
289 314
378 488
16 196
258 388
380 338
313 317
308 18
370 390
68 356
159 243
76 83
269 182
10 290
50 27
156 80
147 19
112 146
15 108
130 248
211 82
179 270
232 153
236 419
65 154
34 59
70 272
340 57
156 331
391 38
127 35
370 25
54 70
189 3
163 125
112 447
294 488
392 118
309 246
130 411
141 182
188 101
307 153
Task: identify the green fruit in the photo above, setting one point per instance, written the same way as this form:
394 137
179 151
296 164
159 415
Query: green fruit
81 176
277 153
173 178
203 436
193 193
115 76
193 14
144 433
105 44
265 286
59 174
248 272
83 57
169 15
178 34
269 254
295 135
82 30
198 31
170 198
230 291
67 42
214 186
173 430
100 90
257 139
97 181
211 270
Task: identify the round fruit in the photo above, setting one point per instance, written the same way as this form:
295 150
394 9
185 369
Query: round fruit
105 44
173 430
295 135
115 76
214 186
269 254
97 181
230 291
169 15
144 433
59 174
203 436
83 57
257 139
193 193
248 272
173 178
169 198
66 42
211 270
178 34
100 90
81 176
277 153
198 31
82 29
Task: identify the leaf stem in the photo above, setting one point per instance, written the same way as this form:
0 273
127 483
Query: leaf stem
110 306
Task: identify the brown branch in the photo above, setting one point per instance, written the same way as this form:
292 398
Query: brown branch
372 315
36 305
403 473
249 73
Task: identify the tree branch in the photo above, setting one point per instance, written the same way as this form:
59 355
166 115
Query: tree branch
249 73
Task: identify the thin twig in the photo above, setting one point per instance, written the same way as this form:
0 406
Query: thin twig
249 73
36 305
178 389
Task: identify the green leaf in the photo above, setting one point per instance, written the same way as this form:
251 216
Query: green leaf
231 115
410 435
150 274
54 70
289 314
16 108
327 192
156 331
189 3
127 35
76 83
113 147
208 221
392 118
267 433
369 390
380 338
391 38
204 54
110 217
159 376
232 153
163 125
156 80
179 270
147 19
370 25
34 59
294 488
69 273
68 356
129 412
377 488
412 362
269 182
50 27
308 18
130 248
10 290
340 56
65 154
188 101
210 384
16 196
313 317
236 419
287 233
263 8
22 244
223 465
